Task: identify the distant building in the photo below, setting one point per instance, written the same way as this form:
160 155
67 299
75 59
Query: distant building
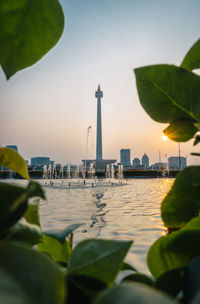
177 163
125 156
159 166
40 161
13 147
145 161
136 163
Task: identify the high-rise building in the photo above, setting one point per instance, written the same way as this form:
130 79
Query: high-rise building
136 163
145 161
40 161
177 163
125 156
13 147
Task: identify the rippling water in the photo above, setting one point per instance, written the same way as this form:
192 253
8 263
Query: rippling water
130 211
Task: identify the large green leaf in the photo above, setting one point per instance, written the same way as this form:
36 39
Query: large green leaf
139 277
100 259
83 289
192 282
192 58
172 281
181 130
61 235
39 278
27 233
176 249
168 93
11 291
32 215
28 30
130 293
58 251
14 202
10 159
183 200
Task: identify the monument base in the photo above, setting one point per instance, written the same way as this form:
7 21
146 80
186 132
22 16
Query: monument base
100 164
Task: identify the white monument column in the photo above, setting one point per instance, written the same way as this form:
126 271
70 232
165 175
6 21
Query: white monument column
99 95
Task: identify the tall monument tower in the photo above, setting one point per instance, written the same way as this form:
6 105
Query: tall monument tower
99 95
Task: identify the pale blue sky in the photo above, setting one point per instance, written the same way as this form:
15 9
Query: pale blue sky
47 108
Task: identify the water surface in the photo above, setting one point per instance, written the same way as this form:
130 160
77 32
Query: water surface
130 211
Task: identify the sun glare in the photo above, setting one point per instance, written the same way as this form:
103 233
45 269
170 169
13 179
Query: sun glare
164 137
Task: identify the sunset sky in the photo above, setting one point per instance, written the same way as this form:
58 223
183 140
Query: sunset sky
47 108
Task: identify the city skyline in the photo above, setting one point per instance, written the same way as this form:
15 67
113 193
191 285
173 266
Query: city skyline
47 108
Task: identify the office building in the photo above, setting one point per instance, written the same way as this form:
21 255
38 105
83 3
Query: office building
136 163
177 163
125 156
145 161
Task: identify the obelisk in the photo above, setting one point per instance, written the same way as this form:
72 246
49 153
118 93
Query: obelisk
99 95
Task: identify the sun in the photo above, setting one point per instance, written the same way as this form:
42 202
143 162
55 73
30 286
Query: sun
164 137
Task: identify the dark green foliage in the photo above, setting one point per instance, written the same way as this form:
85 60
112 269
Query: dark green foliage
176 249
32 213
139 277
37 277
14 202
59 252
99 259
61 235
83 289
28 30
10 159
192 282
182 202
165 92
172 281
192 58
181 130
130 293
27 233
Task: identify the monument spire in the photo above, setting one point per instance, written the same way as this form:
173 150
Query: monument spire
99 95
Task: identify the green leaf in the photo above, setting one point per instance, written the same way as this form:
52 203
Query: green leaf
83 289
192 286
99 259
10 290
26 233
126 266
183 200
130 293
38 277
171 282
11 159
28 30
181 130
197 140
139 277
61 235
165 92
14 202
59 252
195 154
192 58
32 215
176 249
